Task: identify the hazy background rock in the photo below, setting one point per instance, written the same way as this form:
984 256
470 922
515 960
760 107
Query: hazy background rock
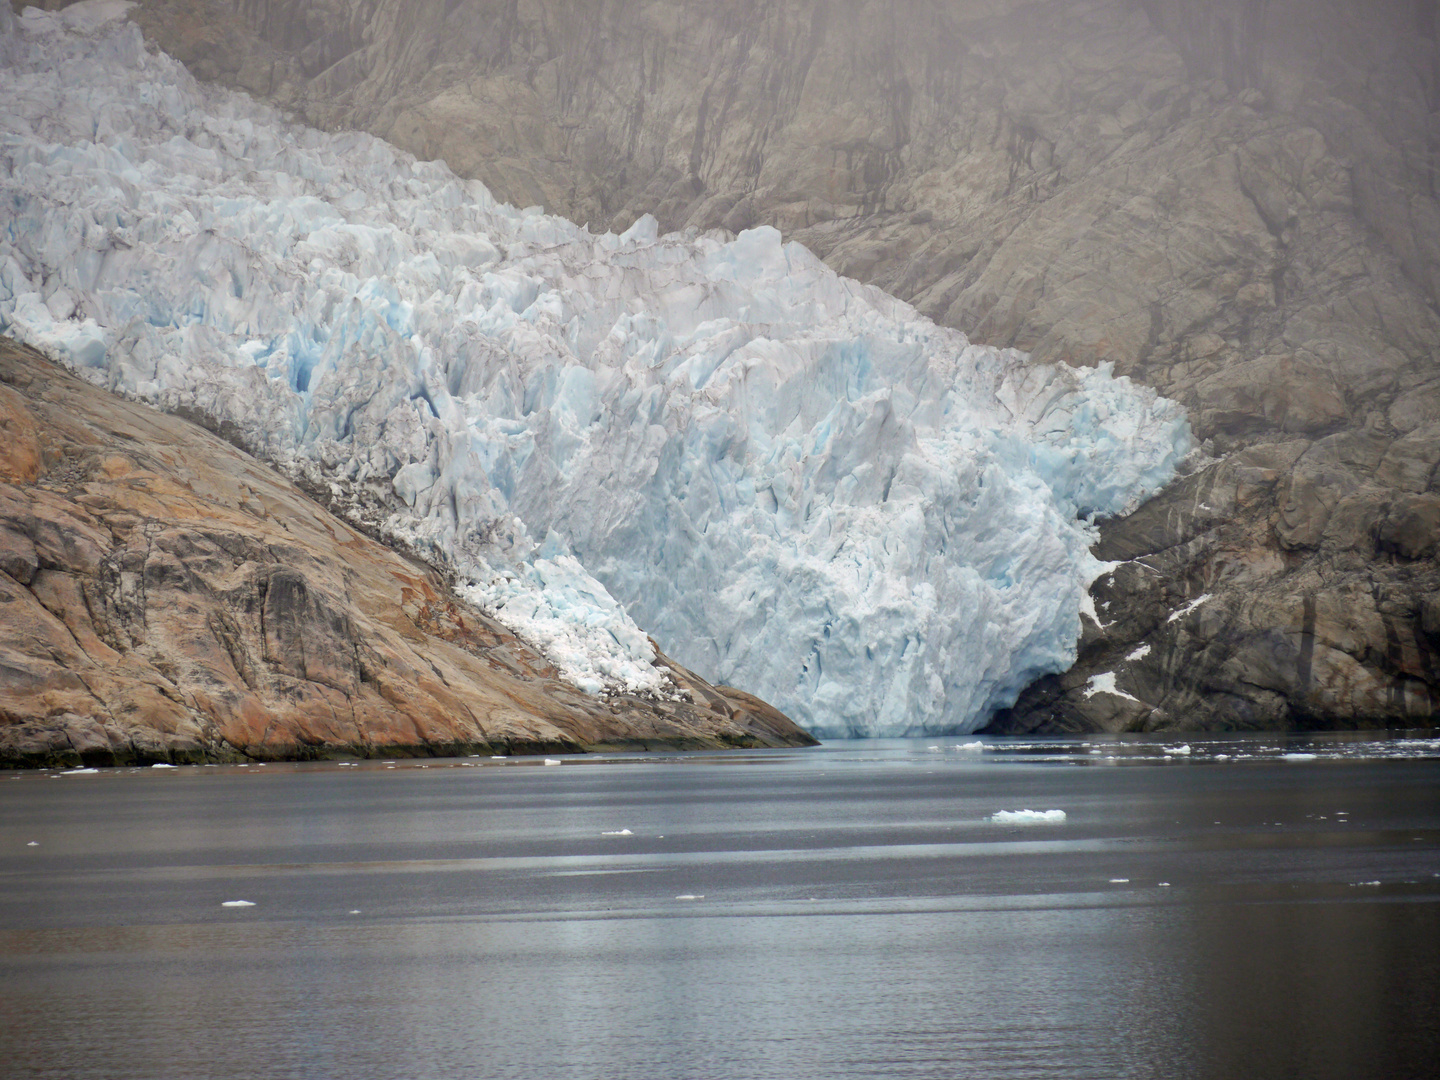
1232 200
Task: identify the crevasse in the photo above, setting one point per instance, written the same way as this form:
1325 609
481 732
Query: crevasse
797 483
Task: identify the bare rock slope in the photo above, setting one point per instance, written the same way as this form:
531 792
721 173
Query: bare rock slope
166 597
1232 200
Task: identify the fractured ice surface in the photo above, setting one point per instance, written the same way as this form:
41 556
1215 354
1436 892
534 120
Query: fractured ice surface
795 482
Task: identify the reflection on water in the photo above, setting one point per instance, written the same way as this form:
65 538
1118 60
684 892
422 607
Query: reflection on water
846 911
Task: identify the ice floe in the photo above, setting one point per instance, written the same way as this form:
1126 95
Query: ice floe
1028 817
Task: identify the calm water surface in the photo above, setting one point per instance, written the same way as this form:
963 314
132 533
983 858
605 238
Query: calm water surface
1225 908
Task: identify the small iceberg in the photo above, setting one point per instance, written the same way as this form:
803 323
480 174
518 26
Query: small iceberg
1298 757
692 896
237 903
164 765
1180 751
552 761
618 832
79 772
1028 817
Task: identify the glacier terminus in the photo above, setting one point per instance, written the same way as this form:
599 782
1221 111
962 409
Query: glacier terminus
796 483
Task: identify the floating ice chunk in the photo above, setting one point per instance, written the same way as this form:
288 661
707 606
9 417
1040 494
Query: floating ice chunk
354 911
690 896
79 772
33 843
972 746
1298 757
1364 883
1182 750
1180 613
1119 881
552 761
1028 817
237 903
618 832
163 765
1163 884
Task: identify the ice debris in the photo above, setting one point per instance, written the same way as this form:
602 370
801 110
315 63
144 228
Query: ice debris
797 483
1028 817
237 903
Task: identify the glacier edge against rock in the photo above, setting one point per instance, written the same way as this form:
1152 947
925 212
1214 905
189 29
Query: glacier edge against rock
795 482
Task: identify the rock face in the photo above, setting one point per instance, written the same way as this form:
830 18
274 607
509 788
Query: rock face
167 597
1233 200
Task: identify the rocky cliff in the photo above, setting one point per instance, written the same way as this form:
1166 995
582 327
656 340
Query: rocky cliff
1232 200
166 597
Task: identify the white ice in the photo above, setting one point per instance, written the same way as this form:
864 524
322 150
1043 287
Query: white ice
1180 613
1028 817
798 484
1104 683
237 903
618 832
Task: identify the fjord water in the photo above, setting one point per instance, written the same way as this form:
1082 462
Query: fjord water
1212 909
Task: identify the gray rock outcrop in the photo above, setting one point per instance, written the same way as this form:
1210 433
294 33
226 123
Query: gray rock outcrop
1230 200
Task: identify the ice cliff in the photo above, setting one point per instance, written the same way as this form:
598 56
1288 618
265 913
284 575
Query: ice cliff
795 482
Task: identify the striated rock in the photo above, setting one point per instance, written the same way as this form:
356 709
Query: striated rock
167 597
1231 200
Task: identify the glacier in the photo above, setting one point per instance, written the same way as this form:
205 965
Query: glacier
798 484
